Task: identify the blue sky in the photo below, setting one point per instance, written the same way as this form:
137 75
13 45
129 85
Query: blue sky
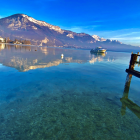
112 19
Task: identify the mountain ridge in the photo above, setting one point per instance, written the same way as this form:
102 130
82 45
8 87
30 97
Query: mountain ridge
21 26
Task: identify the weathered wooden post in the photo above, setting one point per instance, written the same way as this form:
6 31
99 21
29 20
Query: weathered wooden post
132 61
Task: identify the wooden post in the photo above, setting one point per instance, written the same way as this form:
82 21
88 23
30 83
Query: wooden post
132 61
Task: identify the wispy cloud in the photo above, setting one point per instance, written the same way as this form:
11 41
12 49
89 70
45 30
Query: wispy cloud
89 26
119 33
81 28
75 29
126 38
1 17
89 22
127 34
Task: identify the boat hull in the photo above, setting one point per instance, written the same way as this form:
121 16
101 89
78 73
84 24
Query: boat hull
98 51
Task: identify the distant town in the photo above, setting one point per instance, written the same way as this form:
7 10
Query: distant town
16 41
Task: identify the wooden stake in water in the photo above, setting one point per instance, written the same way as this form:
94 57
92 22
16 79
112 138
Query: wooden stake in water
132 61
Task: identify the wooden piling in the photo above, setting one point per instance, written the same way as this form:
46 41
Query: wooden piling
132 61
133 72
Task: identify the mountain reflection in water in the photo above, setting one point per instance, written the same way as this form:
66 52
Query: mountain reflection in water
25 58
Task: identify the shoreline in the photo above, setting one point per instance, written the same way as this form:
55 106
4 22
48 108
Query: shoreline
123 50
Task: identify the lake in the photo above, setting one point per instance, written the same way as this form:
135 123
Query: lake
81 96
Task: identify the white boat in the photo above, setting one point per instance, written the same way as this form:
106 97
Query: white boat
98 50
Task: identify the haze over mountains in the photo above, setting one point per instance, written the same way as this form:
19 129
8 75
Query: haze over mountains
21 26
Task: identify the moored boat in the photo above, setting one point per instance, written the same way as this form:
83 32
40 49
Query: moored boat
98 50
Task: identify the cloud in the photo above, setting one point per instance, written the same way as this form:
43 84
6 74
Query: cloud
79 29
132 32
1 17
128 34
75 29
127 38
89 23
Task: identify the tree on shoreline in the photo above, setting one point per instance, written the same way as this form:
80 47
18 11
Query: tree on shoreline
16 41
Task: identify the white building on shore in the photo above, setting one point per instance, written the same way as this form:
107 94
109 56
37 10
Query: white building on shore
1 39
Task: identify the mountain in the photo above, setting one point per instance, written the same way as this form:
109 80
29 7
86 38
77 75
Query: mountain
21 26
97 38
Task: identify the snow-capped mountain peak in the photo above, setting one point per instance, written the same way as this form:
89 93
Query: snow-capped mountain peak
97 38
20 21
43 23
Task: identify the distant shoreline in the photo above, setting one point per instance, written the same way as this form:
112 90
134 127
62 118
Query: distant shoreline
123 50
44 46
17 44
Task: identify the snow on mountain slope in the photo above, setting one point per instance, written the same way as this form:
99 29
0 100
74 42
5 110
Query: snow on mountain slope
97 38
43 23
20 21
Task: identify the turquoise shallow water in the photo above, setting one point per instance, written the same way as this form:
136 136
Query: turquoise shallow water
80 97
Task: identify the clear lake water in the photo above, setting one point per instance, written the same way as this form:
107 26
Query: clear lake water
80 96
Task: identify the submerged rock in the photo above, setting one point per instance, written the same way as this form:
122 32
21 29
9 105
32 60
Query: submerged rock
96 108
110 98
